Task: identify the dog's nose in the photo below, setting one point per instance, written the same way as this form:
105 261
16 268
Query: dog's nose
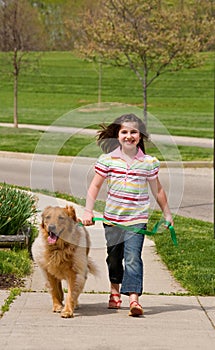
51 228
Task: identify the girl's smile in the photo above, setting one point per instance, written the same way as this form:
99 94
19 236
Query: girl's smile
129 135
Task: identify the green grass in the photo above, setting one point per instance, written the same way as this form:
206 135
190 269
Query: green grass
15 262
33 141
14 292
192 263
182 101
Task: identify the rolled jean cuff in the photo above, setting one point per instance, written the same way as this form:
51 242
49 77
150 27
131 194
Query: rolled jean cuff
132 289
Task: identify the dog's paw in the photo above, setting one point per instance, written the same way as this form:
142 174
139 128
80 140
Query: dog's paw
77 306
66 314
57 308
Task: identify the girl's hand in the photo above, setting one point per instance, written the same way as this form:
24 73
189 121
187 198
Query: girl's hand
87 218
169 218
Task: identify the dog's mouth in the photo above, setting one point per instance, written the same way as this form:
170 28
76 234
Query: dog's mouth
52 238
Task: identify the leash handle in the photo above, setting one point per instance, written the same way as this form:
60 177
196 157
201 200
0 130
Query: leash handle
170 227
146 232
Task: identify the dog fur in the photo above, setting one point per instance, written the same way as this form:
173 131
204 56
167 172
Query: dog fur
61 251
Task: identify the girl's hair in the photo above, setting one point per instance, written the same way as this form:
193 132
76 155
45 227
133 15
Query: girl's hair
107 137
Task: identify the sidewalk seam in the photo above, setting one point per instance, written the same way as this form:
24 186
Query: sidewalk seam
206 314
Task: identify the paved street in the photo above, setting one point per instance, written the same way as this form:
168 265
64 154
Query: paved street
190 190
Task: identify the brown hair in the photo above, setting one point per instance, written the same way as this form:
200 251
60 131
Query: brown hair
107 137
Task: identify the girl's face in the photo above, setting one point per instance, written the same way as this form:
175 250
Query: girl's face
129 135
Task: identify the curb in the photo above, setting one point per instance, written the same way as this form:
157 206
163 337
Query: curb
70 159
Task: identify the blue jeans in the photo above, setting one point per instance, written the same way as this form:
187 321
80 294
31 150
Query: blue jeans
124 244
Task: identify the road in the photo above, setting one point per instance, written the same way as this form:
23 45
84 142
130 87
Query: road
189 190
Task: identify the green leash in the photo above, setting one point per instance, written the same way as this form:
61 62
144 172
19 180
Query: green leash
145 232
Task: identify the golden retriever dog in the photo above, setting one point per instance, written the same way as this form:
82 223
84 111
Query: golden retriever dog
61 251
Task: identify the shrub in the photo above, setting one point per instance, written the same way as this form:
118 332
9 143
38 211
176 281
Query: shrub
17 211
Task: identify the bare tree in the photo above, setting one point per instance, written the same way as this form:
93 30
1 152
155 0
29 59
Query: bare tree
20 34
148 37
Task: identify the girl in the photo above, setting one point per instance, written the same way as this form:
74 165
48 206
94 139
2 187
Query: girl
128 170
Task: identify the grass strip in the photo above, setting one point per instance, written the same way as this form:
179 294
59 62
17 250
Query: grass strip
192 263
14 292
34 141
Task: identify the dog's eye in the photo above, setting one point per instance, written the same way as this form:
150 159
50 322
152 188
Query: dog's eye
47 217
61 218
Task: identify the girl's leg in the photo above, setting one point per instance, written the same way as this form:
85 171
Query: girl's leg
114 259
114 288
115 249
115 297
133 297
132 283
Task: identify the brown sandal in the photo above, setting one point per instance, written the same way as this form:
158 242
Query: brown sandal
113 303
135 309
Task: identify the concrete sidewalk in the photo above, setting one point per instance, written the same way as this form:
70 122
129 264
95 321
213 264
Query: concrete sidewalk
170 321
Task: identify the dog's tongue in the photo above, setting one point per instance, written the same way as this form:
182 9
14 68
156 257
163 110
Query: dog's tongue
52 238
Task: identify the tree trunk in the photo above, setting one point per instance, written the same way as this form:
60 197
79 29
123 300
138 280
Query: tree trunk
15 90
15 106
144 82
145 104
100 84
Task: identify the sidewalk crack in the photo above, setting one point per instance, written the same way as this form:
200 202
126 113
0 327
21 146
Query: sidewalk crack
205 311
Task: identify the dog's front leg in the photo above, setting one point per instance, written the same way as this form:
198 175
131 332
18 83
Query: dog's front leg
68 309
56 293
75 287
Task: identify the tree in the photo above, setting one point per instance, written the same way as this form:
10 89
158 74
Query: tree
203 23
51 12
148 36
20 33
56 14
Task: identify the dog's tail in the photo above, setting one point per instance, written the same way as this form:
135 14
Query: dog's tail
93 269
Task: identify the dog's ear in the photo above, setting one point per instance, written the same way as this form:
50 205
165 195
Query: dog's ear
71 212
45 210
42 222
43 215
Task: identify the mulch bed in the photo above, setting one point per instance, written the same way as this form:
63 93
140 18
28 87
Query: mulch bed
8 281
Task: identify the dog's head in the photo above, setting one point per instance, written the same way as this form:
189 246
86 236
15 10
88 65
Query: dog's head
58 222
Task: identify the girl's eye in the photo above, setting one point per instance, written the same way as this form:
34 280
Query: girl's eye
133 132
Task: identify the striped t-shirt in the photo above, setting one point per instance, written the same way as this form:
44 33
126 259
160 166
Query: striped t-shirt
128 199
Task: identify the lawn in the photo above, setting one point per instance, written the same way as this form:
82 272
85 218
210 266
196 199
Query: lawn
192 262
33 141
182 101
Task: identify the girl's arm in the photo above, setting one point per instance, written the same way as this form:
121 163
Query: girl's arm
92 194
160 196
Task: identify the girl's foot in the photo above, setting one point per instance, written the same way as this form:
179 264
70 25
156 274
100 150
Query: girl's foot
135 309
114 301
